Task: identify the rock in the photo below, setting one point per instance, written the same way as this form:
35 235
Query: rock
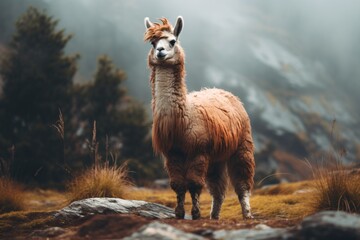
261 226
161 231
91 206
48 232
323 225
330 225
259 232
161 183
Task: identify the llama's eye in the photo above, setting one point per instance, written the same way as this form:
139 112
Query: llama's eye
172 42
153 44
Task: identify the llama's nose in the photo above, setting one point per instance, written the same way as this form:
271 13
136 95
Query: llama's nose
160 53
160 49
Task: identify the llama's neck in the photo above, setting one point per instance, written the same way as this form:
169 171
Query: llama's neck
168 103
169 90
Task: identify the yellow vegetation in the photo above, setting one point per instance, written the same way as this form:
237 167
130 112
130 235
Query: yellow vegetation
285 188
99 181
337 189
11 196
278 202
287 201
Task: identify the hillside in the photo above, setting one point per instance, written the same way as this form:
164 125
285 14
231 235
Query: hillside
286 208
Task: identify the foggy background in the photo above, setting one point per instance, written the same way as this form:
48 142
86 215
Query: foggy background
294 64
323 31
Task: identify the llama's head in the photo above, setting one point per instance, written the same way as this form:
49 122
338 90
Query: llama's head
165 41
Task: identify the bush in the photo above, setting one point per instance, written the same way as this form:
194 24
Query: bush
11 197
100 181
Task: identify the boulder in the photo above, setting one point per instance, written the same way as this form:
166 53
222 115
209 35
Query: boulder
323 225
48 232
161 231
261 231
92 206
330 225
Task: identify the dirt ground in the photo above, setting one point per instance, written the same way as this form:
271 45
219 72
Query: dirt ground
274 210
121 225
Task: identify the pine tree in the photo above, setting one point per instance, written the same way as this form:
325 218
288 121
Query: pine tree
38 77
119 117
105 96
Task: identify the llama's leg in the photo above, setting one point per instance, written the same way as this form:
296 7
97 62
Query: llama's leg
180 191
216 181
241 168
195 191
195 176
175 169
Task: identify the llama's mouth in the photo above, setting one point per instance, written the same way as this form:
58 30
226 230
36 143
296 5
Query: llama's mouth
161 55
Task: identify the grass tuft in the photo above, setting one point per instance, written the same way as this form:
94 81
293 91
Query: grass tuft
11 197
101 181
337 189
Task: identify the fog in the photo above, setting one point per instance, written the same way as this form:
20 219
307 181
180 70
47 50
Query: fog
327 31
322 31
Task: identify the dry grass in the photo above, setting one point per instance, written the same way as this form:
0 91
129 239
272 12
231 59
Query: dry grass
11 197
44 200
285 188
337 189
285 205
101 181
288 206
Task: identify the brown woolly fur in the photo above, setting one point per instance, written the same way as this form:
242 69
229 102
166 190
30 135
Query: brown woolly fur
101 181
204 136
11 196
178 66
157 30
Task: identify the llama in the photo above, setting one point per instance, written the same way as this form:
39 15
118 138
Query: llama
204 137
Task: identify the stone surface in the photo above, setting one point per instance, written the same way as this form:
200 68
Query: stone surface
330 225
48 232
91 206
323 225
259 232
161 231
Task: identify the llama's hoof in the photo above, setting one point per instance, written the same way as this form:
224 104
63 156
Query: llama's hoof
179 213
214 217
248 216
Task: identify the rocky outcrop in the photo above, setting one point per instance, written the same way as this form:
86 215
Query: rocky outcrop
92 206
161 231
330 225
323 225
48 232
260 231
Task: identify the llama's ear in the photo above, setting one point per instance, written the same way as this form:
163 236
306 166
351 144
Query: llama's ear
178 26
148 23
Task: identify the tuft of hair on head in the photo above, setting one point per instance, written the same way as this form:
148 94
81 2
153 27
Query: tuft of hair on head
155 30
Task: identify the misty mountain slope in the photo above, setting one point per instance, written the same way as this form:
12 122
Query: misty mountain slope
293 101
